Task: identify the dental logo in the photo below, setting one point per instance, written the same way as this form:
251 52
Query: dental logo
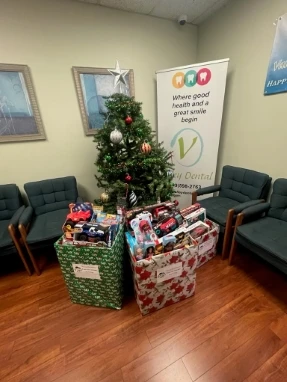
190 78
188 147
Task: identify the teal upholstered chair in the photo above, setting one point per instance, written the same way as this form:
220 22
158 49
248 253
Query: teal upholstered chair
239 188
11 208
266 236
41 223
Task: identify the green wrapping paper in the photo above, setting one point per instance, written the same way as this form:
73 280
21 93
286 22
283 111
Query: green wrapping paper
93 276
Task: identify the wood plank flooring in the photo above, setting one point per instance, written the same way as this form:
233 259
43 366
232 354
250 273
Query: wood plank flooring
233 329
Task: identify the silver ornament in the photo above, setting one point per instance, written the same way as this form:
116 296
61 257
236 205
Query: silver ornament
116 136
132 199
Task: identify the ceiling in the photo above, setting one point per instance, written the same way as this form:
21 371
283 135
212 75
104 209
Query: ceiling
196 10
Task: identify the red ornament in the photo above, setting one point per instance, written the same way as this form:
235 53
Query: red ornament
145 148
128 120
128 178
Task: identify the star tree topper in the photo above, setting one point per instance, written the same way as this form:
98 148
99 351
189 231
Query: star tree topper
119 75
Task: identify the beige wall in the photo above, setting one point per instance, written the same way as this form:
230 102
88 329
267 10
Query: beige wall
51 36
254 132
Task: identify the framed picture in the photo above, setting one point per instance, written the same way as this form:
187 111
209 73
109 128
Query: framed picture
20 118
93 86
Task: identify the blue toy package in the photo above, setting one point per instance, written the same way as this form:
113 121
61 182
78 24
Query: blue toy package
132 243
75 207
108 219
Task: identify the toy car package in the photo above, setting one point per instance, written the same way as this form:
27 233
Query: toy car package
78 212
197 229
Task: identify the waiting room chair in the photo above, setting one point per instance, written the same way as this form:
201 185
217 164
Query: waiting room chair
266 236
239 188
41 223
11 208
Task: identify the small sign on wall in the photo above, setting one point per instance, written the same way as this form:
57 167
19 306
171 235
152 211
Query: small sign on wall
276 80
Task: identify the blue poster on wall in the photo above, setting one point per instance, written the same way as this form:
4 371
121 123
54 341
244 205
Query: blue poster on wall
276 81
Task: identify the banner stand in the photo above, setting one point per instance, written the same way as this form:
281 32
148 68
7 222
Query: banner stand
190 104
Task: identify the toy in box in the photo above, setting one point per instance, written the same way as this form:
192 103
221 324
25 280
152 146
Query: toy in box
197 229
168 224
78 212
156 210
99 235
195 216
188 210
143 230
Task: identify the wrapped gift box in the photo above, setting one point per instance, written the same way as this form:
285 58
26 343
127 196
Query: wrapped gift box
164 279
93 275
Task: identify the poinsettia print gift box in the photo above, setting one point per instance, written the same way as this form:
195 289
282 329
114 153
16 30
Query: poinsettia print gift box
207 243
165 279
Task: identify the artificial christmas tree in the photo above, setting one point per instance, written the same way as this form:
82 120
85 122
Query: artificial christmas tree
130 163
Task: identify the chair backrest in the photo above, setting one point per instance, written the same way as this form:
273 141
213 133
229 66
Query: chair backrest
278 200
243 185
10 200
51 194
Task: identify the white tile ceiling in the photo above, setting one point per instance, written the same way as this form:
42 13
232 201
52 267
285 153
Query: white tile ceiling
196 10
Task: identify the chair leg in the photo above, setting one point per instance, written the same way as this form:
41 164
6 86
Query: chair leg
239 221
12 233
227 234
23 235
32 258
232 250
193 197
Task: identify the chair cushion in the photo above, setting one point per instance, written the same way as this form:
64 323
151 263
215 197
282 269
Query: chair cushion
52 194
5 238
278 201
10 201
47 226
217 208
267 233
243 185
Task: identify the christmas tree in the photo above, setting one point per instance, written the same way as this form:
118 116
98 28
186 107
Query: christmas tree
130 163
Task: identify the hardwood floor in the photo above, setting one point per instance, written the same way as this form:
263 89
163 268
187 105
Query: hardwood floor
233 329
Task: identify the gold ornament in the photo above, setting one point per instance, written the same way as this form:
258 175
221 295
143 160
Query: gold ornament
105 197
145 148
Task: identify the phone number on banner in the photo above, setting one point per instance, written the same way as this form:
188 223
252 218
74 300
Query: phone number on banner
195 186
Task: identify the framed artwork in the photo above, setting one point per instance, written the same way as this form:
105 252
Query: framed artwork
93 86
20 118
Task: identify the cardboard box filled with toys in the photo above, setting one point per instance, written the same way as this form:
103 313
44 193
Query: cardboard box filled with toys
90 254
166 245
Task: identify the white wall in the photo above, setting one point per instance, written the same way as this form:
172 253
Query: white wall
51 36
254 132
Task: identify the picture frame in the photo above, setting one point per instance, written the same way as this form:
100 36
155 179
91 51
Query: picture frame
93 86
20 118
